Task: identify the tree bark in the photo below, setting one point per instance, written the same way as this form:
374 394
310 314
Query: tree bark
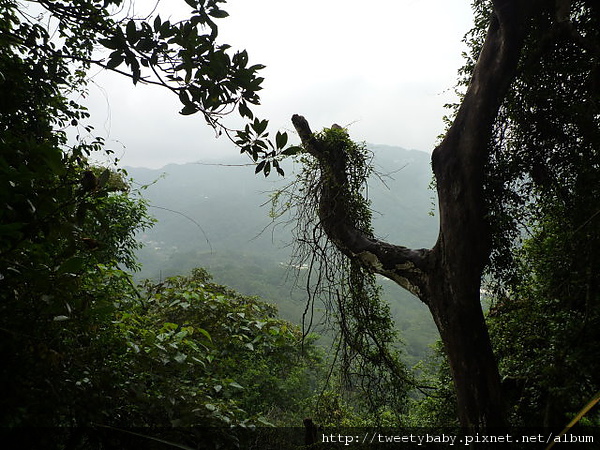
447 277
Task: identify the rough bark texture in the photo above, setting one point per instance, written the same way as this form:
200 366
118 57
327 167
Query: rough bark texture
447 277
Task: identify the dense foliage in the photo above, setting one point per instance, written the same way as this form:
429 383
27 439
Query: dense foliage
81 345
543 198
66 228
551 371
548 156
227 358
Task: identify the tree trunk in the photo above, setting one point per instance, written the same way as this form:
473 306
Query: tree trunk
466 341
448 277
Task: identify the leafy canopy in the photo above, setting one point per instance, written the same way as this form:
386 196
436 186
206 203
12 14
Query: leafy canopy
61 40
80 343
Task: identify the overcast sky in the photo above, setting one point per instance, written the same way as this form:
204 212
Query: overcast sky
383 68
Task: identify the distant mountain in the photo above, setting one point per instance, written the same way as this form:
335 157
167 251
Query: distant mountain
217 217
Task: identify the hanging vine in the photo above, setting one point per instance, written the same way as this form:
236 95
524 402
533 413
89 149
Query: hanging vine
367 340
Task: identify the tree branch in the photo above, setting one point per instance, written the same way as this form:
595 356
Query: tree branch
405 266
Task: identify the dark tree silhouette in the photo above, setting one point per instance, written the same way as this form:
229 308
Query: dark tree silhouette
447 277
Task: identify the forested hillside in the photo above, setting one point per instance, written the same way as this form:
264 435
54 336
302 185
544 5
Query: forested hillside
227 228
97 354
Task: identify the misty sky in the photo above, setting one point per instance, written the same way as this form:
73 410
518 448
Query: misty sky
384 69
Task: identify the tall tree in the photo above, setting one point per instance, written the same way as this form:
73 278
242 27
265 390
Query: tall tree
71 320
447 277
67 227
546 161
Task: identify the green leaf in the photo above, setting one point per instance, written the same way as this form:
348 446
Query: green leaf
181 334
256 67
145 45
260 166
294 150
259 324
204 332
111 44
131 31
188 110
166 30
259 126
241 58
265 422
116 59
245 111
281 139
218 13
170 326
185 98
279 169
180 357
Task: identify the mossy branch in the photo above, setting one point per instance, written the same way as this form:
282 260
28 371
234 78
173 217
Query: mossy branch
405 266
